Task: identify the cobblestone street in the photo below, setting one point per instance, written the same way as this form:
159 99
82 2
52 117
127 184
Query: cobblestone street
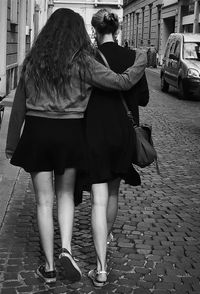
156 247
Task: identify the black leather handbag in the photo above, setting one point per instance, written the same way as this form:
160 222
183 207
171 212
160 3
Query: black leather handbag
144 151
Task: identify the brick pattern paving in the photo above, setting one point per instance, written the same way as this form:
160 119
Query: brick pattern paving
157 233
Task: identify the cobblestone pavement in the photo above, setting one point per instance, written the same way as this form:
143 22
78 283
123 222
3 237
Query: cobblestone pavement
157 233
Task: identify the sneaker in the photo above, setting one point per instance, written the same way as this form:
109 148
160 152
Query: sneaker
72 271
94 275
47 277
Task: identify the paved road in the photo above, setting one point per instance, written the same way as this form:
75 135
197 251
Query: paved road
157 232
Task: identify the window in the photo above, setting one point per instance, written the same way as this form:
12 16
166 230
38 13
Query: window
143 9
159 26
191 7
13 12
150 19
133 27
171 48
167 50
177 49
137 28
192 51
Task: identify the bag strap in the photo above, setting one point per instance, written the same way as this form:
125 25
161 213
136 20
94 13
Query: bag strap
129 113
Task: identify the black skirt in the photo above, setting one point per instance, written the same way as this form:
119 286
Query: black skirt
51 145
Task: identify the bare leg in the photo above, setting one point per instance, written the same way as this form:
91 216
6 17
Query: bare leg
64 186
99 224
112 208
43 186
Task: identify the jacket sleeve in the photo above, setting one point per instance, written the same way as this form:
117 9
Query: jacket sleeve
141 90
104 78
16 120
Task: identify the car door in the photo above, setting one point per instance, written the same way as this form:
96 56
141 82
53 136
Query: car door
169 75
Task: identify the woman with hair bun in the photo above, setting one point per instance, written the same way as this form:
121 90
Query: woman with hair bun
109 139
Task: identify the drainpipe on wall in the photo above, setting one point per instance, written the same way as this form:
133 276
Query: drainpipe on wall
36 20
21 34
3 43
196 17
179 18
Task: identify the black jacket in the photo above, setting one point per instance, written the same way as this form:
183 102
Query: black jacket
120 61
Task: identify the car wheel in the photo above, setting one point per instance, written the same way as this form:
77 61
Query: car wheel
164 84
182 91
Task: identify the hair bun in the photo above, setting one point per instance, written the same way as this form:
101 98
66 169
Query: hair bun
109 18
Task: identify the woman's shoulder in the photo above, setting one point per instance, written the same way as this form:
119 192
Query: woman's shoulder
126 51
118 50
119 58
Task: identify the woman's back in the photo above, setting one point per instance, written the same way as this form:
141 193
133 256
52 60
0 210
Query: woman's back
119 58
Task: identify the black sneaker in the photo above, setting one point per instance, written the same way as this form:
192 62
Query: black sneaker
47 277
72 271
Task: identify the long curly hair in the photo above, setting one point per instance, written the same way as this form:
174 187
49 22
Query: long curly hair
49 61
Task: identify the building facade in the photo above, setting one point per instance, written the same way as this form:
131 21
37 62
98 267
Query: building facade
20 21
150 22
86 8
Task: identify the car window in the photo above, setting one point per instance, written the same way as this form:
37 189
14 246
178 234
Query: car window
172 47
177 49
192 51
167 49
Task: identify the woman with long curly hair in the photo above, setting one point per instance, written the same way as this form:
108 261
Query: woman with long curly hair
52 94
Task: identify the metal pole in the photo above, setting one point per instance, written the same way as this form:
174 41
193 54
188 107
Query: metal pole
3 43
21 34
196 17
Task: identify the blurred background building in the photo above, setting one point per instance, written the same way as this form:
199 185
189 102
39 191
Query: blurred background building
20 22
86 8
148 23
145 23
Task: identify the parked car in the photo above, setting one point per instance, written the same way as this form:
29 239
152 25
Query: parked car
181 65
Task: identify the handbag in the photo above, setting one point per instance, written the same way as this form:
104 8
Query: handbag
144 152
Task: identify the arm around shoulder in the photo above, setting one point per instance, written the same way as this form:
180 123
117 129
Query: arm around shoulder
103 77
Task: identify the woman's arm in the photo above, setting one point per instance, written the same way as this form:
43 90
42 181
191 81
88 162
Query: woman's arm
17 117
104 78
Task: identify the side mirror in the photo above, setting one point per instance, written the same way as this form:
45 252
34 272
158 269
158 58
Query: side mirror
173 56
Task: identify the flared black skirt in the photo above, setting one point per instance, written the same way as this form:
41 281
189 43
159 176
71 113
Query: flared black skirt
51 145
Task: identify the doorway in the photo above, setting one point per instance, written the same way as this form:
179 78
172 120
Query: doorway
168 28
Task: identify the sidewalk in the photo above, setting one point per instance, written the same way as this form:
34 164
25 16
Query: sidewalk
8 173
